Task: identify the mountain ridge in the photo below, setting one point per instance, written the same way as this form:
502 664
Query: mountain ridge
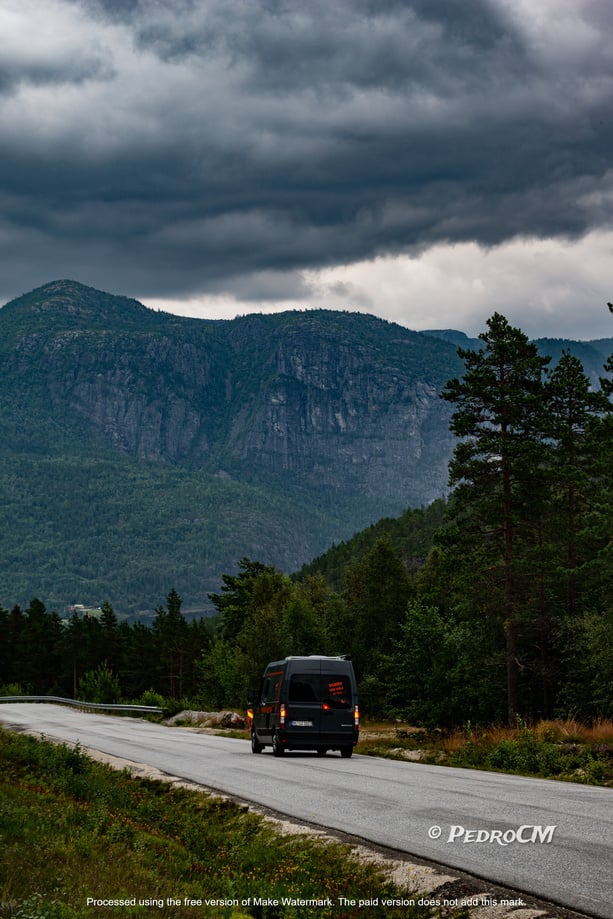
194 442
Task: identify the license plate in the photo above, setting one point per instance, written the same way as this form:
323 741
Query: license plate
301 724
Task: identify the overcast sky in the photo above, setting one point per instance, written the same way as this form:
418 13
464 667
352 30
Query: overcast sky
428 161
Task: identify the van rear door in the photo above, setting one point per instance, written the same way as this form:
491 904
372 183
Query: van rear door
304 712
337 702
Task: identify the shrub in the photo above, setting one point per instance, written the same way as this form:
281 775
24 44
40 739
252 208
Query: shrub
151 697
101 686
15 689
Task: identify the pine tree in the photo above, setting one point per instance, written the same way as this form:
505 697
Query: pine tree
171 641
109 627
235 602
572 407
377 591
498 467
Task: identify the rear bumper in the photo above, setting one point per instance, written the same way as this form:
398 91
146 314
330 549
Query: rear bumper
303 740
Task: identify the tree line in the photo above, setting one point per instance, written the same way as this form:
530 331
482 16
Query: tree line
509 615
100 658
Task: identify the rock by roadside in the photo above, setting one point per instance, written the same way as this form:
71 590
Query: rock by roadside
225 719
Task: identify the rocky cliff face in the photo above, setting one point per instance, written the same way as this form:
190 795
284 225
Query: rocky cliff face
331 417
326 401
140 395
341 403
320 401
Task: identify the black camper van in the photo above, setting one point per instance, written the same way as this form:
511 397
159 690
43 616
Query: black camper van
306 703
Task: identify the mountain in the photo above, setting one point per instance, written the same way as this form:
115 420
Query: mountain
592 354
141 451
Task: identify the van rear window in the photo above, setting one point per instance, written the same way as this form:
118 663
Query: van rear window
335 689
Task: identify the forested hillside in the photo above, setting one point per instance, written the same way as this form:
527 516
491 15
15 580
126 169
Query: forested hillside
411 536
494 606
140 450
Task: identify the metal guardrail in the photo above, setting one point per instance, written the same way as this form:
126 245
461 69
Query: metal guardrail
76 703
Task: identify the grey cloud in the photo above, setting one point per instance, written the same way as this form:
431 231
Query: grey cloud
12 75
217 143
48 53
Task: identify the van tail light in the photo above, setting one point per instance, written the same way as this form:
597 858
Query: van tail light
282 715
356 716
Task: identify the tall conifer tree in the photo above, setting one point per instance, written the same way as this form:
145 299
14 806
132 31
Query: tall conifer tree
498 462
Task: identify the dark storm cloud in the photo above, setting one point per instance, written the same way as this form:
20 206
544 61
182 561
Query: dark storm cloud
171 148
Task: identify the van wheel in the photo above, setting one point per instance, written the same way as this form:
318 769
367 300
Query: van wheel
277 747
256 746
346 752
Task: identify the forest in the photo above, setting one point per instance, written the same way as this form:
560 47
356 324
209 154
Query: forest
491 605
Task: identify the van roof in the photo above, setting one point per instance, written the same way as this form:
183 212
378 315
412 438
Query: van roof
311 661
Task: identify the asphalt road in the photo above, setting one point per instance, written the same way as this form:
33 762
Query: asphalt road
393 804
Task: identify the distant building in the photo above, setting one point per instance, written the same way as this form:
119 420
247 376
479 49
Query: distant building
81 610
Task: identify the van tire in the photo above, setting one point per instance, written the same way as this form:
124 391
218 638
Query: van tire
256 746
277 747
346 752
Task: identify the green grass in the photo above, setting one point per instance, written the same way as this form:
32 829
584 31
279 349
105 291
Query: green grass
73 829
